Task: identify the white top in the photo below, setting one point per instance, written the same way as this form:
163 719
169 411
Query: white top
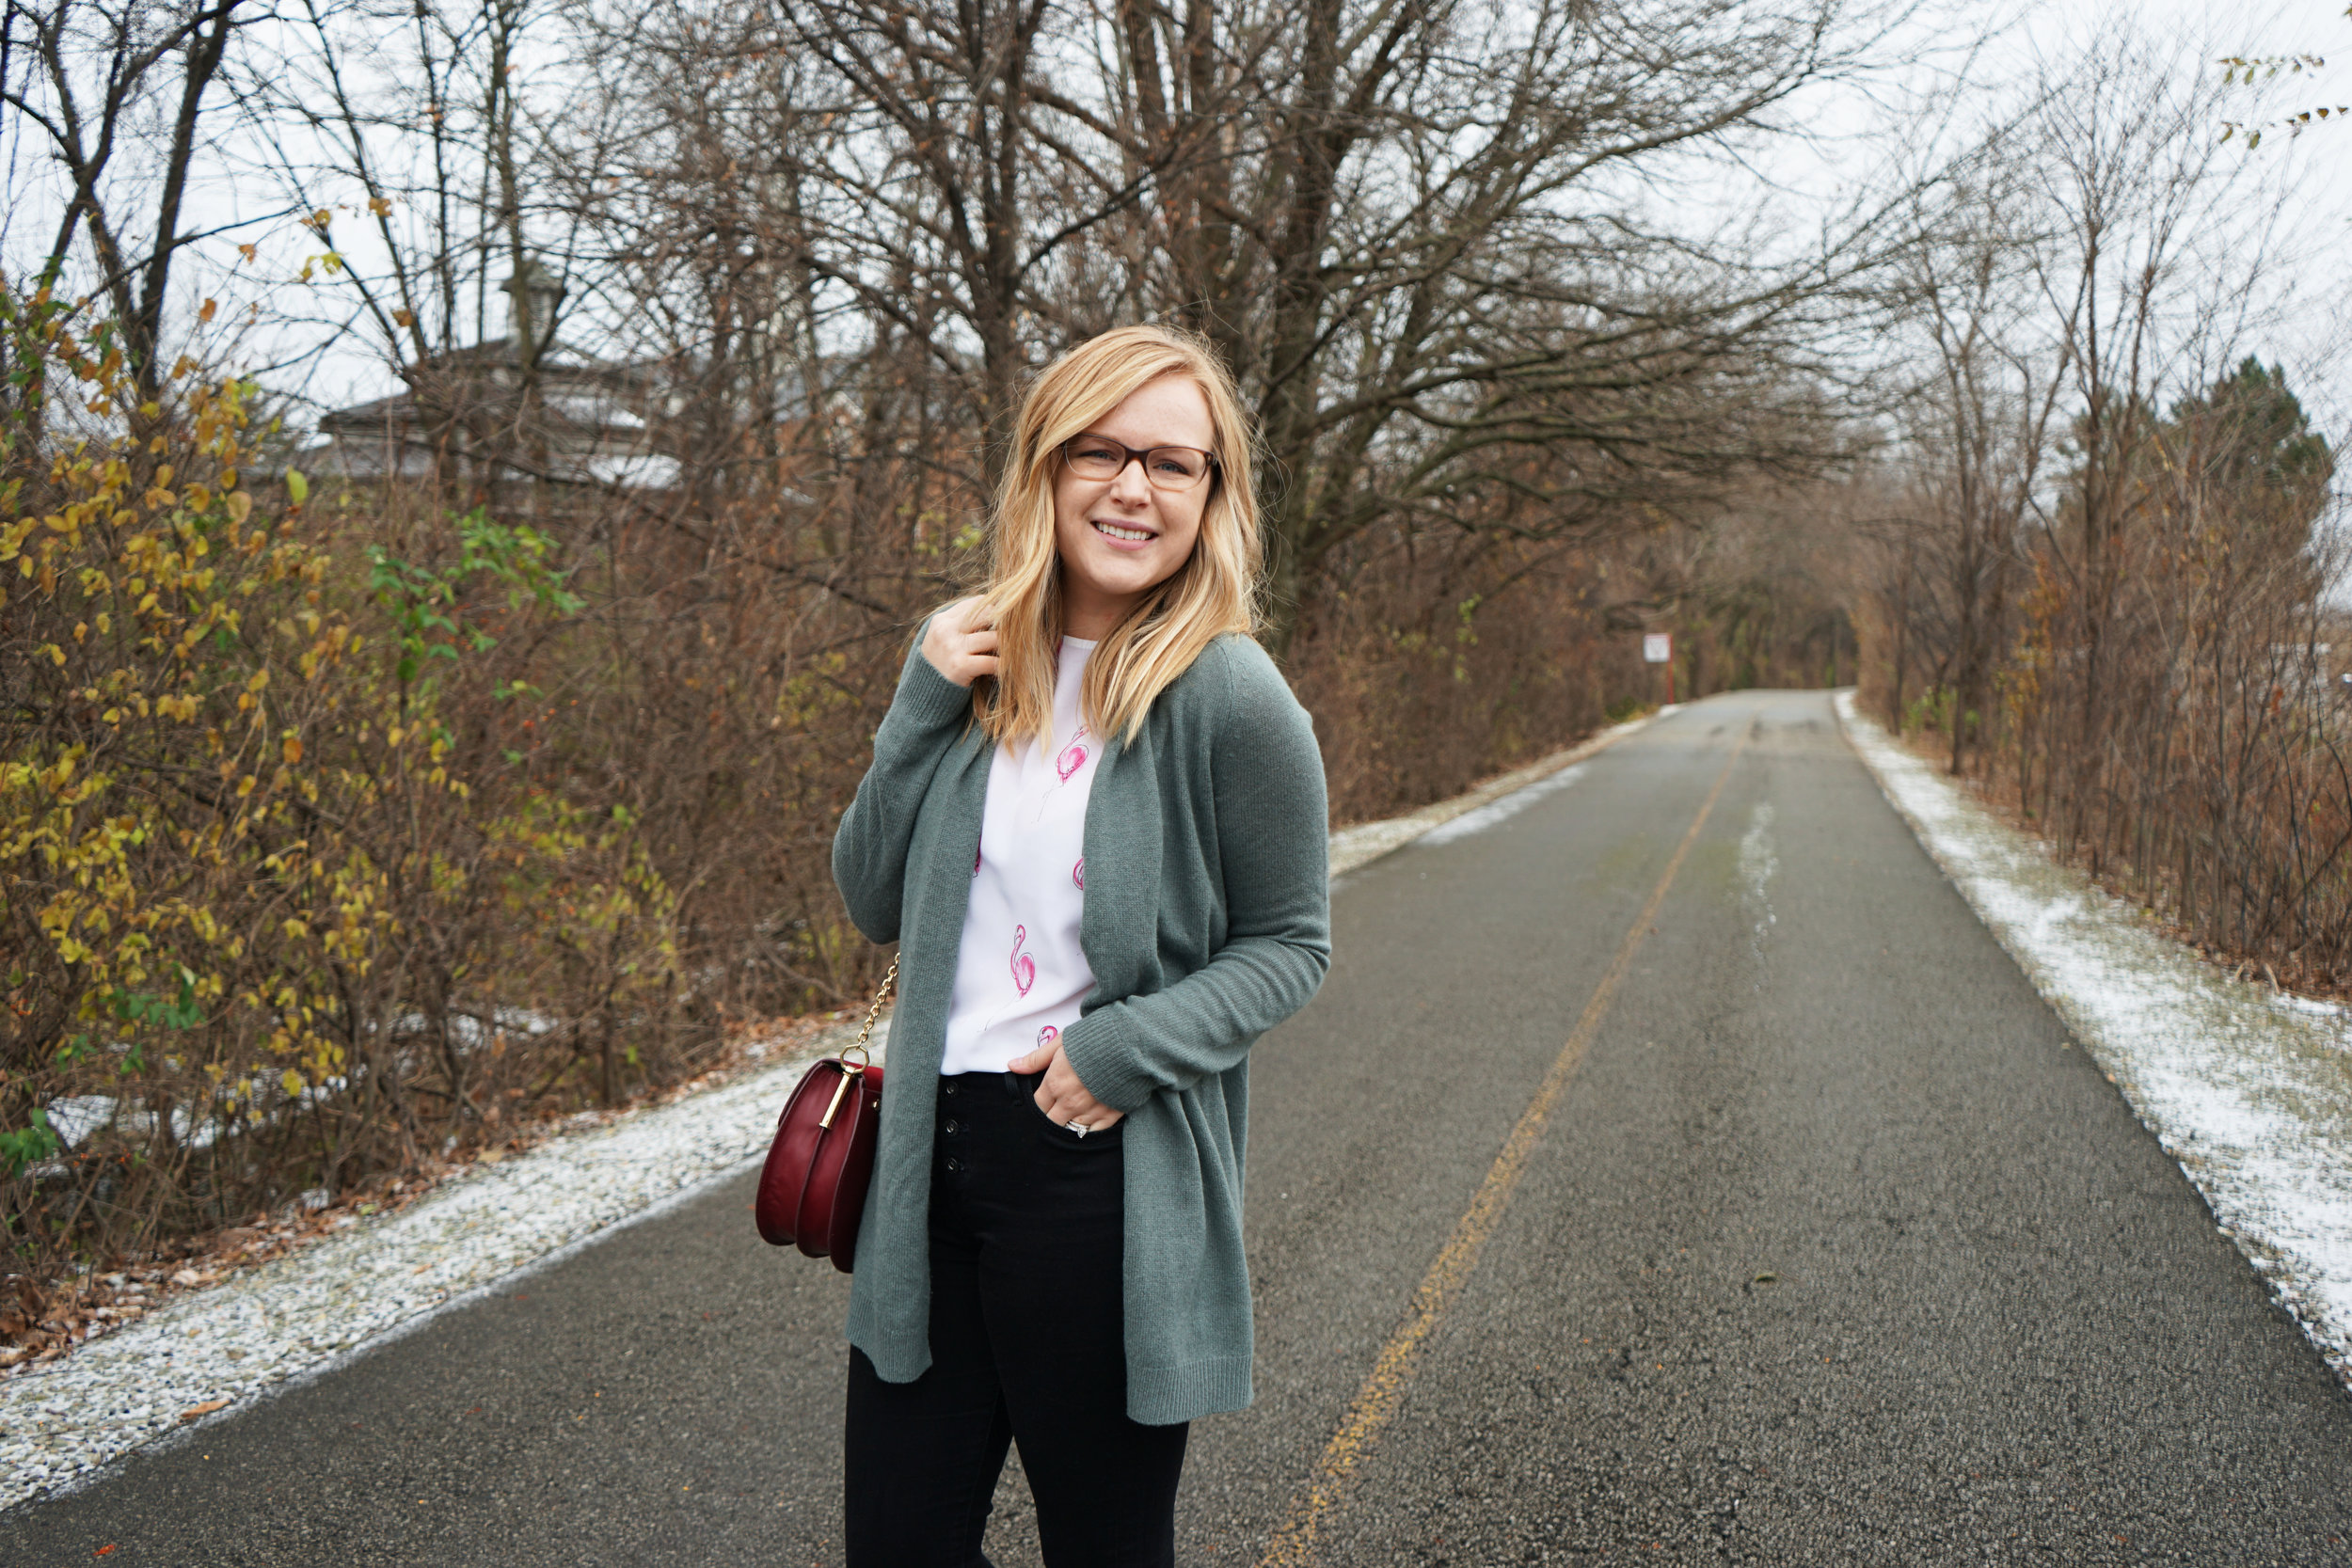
1020 974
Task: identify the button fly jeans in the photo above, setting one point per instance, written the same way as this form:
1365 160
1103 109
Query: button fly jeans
1027 1345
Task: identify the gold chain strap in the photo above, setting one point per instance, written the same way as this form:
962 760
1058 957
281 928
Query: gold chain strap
866 1058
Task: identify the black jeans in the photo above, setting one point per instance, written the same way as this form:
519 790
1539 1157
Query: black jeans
1027 1345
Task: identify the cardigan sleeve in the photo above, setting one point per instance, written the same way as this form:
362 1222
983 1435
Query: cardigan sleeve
1272 850
870 848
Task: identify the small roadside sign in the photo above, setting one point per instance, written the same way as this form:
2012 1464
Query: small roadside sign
1657 648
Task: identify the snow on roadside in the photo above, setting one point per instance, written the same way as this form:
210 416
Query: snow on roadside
298 1314
1476 809
2250 1090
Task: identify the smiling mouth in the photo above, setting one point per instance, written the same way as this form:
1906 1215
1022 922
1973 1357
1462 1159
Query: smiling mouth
1117 531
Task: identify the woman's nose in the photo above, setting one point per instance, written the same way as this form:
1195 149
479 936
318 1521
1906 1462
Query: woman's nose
1131 486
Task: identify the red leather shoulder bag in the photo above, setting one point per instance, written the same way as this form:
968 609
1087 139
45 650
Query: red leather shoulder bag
812 1191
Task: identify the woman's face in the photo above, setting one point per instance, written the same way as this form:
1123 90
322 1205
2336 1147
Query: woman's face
1122 536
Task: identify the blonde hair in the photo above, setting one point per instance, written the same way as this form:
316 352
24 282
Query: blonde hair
1214 592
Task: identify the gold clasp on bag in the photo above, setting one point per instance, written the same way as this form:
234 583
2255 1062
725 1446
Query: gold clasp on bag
866 1057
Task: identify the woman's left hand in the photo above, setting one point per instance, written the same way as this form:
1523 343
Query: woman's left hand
1062 1097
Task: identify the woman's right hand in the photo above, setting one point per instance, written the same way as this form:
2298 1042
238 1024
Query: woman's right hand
959 645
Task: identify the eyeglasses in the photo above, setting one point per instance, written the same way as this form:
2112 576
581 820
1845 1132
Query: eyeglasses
1098 458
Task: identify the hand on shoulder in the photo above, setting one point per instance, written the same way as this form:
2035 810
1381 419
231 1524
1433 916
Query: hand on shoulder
960 644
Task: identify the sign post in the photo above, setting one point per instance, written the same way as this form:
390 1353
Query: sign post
1657 648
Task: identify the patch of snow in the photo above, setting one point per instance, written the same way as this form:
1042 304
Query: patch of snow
76 1116
298 1315
1367 841
646 471
1485 816
1760 863
2250 1091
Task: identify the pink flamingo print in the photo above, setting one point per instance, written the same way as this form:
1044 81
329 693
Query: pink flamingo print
1078 873
1047 1036
1023 967
1073 757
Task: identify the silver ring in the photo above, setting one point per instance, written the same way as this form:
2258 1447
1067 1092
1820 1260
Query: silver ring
1078 1127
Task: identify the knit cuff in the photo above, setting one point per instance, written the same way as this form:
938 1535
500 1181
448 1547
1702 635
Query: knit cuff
1105 1060
928 697
1163 1396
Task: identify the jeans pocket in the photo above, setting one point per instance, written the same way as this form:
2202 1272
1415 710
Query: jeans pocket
1059 1134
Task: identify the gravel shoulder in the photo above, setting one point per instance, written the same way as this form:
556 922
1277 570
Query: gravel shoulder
2249 1088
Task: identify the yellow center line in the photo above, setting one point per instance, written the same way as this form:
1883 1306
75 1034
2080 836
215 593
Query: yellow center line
1383 1391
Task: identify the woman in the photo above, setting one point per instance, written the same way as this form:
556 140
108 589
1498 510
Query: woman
1095 825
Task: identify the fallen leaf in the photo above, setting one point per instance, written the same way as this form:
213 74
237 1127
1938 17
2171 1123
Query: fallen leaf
104 1550
205 1409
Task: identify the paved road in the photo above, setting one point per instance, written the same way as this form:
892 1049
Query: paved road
1998 1327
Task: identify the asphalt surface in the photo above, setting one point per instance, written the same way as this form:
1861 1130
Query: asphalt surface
1836 1250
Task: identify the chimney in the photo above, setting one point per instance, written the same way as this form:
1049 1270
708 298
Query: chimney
534 293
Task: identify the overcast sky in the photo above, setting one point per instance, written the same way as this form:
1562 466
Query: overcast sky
2301 323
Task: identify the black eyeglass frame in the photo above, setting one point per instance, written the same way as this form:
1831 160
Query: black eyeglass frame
1143 454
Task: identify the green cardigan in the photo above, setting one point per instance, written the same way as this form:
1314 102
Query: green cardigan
1208 921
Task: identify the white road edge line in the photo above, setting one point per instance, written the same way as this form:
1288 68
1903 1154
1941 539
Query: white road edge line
2248 1090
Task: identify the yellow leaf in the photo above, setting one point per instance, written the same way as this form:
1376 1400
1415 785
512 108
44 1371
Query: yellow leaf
292 748
297 486
293 1082
240 507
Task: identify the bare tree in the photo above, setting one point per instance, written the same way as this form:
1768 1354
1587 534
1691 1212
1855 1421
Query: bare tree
1978 424
1415 231
111 87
